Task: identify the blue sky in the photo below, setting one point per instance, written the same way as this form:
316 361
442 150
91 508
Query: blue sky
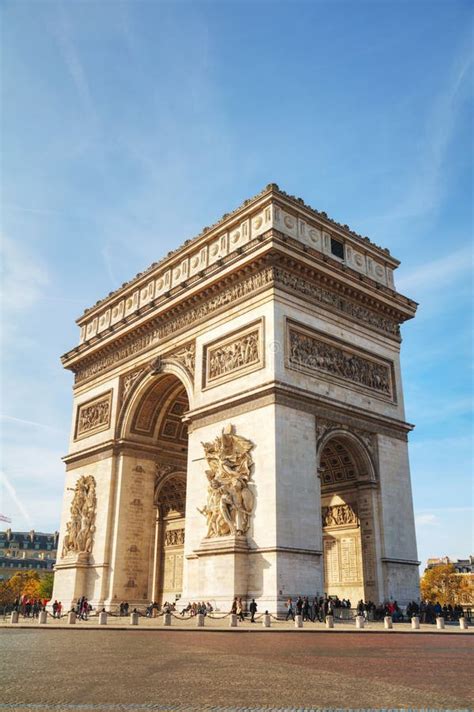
128 126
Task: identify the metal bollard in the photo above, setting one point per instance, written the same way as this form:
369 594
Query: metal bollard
71 617
103 618
200 620
42 618
233 621
298 621
329 621
134 618
266 621
463 623
167 619
14 617
388 623
360 622
415 623
440 623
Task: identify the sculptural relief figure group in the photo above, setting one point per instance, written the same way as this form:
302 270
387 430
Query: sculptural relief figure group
239 353
306 351
229 498
94 416
80 528
338 515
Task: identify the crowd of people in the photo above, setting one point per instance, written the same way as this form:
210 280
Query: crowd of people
315 610
82 608
29 607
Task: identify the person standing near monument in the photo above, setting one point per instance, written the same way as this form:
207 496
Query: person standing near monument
253 610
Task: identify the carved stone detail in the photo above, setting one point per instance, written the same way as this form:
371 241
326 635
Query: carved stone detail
145 341
229 499
80 529
266 276
336 301
187 357
161 471
174 537
129 381
325 427
308 351
234 355
339 515
93 416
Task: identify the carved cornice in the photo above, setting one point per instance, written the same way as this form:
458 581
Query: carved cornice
275 269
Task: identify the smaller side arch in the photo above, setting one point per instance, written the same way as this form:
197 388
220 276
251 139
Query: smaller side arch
363 458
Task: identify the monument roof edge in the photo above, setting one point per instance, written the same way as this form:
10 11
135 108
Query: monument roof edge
206 232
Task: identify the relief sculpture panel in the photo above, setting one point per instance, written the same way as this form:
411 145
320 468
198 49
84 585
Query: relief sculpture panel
314 353
93 416
233 356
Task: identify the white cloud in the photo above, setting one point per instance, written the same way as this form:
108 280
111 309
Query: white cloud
24 277
428 519
438 273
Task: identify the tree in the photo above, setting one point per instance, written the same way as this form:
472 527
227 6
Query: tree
46 586
442 583
24 583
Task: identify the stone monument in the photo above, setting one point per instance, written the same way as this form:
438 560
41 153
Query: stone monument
238 422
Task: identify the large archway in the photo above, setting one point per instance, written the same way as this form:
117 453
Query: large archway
348 485
154 420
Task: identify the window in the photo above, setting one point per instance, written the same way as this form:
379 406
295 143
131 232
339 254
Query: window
337 248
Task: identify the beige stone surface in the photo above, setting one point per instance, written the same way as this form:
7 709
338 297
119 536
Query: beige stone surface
201 342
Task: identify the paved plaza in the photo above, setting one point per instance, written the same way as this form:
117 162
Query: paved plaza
145 668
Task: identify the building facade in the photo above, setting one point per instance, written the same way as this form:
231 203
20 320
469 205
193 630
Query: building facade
238 423
27 551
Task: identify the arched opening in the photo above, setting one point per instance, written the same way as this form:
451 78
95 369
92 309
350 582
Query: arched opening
170 503
347 511
154 418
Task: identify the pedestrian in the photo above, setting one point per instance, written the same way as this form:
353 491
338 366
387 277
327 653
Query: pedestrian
253 610
289 610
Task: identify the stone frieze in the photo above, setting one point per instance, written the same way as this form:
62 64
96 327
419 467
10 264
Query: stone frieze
308 351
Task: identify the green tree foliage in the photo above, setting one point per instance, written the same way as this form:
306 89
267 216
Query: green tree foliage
46 586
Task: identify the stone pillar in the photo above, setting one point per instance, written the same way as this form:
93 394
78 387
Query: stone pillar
360 622
415 623
134 618
42 618
266 621
387 622
200 620
14 617
440 623
233 621
329 621
167 619
463 623
103 618
71 617
298 621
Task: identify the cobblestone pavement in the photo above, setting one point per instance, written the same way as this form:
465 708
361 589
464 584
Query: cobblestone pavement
55 669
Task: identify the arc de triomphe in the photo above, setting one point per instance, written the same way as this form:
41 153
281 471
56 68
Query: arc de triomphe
238 422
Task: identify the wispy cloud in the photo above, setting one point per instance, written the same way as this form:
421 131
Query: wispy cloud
73 62
24 277
29 423
439 272
16 499
423 193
